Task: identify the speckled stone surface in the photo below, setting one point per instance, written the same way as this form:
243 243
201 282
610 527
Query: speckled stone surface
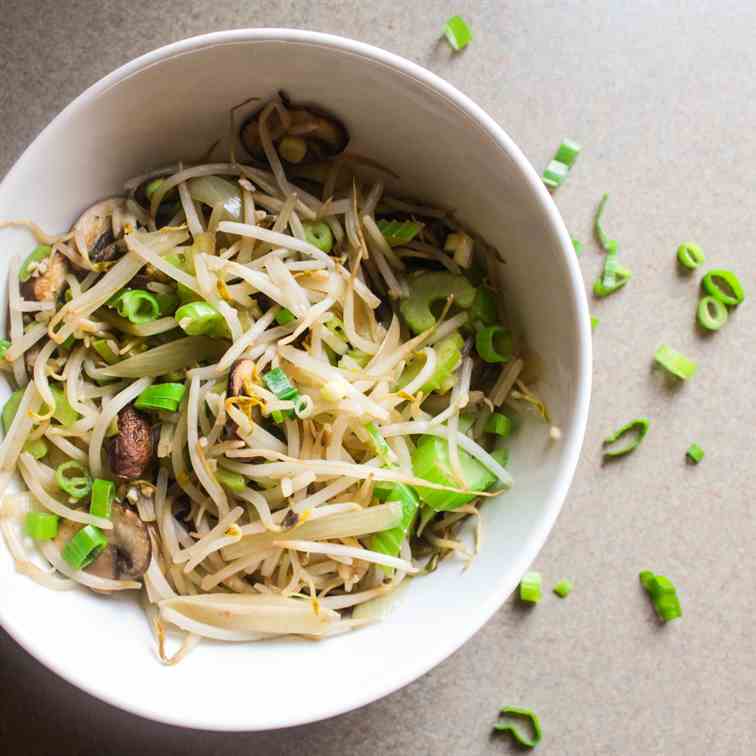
663 96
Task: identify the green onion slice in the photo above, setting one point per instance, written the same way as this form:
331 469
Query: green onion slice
610 245
104 347
278 382
638 426
161 396
39 253
675 363
199 319
101 500
712 285
136 305
694 454
499 424
509 728
231 480
563 588
555 174
84 547
690 255
501 350
76 486
319 235
397 233
568 152
663 595
457 32
530 587
711 313
41 526
284 316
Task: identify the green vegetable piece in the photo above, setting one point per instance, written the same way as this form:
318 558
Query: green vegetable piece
483 308
430 461
494 344
510 729
76 486
563 588
360 357
389 541
663 595
731 293
613 277
639 427
675 363
41 526
284 316
201 319
136 305
84 547
167 304
101 499
578 247
448 357
530 588
231 480
161 396
429 288
152 187
278 382
397 233
499 424
555 174
40 252
694 454
690 255
106 351
37 448
64 413
711 314
382 449
458 33
568 152
609 245
319 235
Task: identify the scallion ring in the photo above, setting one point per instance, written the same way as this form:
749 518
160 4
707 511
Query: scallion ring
319 235
675 363
76 486
101 500
84 547
712 285
639 427
510 729
136 305
712 314
494 344
161 396
41 526
690 255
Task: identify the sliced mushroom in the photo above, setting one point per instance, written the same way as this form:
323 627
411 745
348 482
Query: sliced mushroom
132 450
95 236
129 548
47 280
312 135
240 375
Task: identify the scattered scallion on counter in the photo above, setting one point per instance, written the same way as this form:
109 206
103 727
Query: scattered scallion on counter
458 33
594 322
675 363
638 427
559 168
711 314
578 245
609 245
690 255
563 588
694 454
510 729
663 595
724 286
530 587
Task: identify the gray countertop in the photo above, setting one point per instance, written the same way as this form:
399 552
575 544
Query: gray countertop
663 96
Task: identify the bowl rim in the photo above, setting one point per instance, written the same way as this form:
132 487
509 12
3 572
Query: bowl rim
501 591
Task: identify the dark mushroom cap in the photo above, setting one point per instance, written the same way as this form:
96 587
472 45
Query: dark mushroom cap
129 549
47 281
323 133
131 451
93 232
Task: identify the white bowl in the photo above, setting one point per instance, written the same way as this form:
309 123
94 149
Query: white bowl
172 103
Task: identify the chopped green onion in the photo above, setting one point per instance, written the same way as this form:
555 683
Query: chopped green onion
231 480
319 235
712 285
613 277
568 152
675 363
29 265
594 322
694 454
428 289
639 427
690 255
167 304
483 308
152 187
200 318
530 587
510 729
390 541
663 595
382 449
284 316
484 343
712 314
458 33
76 487
41 526
555 174
105 350
278 382
563 588
136 305
397 233
610 245
161 396
499 424
101 499
84 547
578 246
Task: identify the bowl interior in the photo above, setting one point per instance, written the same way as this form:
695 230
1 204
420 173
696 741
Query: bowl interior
172 105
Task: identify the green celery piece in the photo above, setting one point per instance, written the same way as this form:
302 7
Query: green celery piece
483 308
397 232
64 413
389 541
102 348
37 448
429 288
448 354
430 461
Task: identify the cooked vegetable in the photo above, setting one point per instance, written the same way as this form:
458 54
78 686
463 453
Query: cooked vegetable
494 344
136 305
430 288
76 486
499 424
319 235
448 358
161 396
389 541
39 253
397 233
675 363
201 319
84 547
